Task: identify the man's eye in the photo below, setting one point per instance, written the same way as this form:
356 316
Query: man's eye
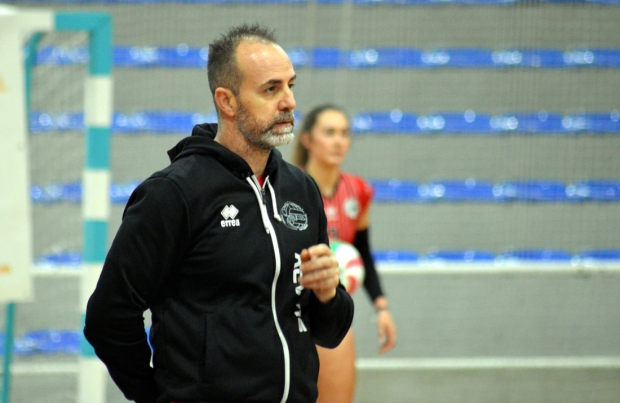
271 89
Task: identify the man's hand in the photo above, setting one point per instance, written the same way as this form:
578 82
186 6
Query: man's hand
319 269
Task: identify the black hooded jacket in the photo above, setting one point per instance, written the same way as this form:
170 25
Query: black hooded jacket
215 258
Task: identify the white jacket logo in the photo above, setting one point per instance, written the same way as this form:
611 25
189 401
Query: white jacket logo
229 213
294 216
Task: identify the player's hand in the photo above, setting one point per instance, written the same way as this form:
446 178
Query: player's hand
385 326
319 272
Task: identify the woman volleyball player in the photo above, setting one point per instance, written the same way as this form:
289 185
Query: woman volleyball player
322 145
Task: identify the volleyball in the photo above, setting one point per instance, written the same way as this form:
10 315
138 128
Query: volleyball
350 264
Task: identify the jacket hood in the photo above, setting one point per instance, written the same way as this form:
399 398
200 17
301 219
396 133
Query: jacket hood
202 142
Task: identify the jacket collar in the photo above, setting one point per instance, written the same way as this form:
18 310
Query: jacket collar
202 142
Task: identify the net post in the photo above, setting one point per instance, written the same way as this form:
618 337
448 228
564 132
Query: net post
96 180
8 352
15 211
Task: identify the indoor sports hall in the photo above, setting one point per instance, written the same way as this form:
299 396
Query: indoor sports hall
489 129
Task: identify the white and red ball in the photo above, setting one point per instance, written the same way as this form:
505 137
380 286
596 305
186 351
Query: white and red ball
350 264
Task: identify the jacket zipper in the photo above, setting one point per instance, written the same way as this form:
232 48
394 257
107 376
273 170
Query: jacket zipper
261 198
263 195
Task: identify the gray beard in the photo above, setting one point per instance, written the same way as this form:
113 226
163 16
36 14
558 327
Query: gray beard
264 137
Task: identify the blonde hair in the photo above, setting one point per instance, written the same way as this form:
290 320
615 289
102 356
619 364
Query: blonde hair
300 153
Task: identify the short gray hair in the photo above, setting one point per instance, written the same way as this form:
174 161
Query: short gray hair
222 68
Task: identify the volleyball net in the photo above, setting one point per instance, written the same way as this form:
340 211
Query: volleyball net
489 129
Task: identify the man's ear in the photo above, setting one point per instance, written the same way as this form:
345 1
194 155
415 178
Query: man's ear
226 101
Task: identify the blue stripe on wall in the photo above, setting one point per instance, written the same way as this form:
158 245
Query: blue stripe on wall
406 191
384 256
391 122
182 56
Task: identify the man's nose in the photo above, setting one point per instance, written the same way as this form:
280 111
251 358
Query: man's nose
287 103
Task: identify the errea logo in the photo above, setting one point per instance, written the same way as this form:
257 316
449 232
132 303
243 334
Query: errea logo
229 213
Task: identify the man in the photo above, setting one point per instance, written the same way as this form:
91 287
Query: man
226 247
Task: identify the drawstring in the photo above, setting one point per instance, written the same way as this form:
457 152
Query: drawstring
259 192
259 197
273 200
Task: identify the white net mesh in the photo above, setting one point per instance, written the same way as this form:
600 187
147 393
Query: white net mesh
342 55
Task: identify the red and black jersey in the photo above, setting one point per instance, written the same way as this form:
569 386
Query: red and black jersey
348 203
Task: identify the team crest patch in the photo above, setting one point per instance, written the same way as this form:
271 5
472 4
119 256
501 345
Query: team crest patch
294 217
351 208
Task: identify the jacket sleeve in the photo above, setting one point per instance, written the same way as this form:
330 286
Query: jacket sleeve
330 322
148 244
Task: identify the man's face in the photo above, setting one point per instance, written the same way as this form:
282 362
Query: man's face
265 100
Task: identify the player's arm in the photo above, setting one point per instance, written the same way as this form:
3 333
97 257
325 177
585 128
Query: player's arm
148 243
372 285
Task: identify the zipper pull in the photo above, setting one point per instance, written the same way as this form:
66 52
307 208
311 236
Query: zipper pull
263 196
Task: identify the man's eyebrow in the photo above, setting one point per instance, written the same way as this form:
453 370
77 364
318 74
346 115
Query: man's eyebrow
276 81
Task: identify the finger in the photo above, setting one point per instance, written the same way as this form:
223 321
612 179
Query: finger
382 337
326 277
382 329
323 285
320 250
387 332
305 255
387 346
332 280
319 263
390 340
327 285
